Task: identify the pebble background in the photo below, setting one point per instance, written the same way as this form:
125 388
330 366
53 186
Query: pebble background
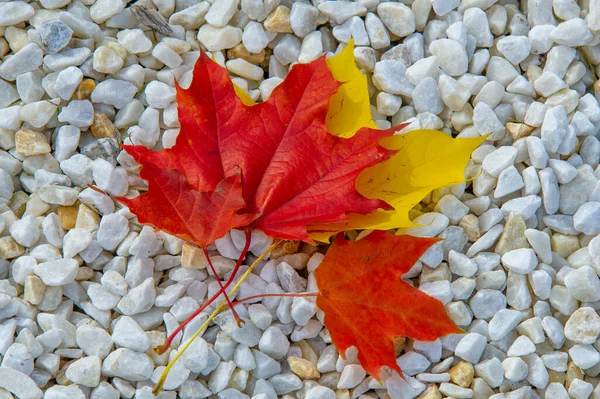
86 292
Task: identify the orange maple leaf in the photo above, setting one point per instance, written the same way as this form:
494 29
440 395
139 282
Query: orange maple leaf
366 302
294 172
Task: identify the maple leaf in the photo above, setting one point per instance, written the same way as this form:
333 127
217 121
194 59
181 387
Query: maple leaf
424 161
293 172
366 302
199 217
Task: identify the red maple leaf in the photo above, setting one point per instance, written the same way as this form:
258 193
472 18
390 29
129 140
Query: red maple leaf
366 302
293 172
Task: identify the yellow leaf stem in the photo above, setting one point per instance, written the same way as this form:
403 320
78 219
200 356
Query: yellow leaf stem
163 377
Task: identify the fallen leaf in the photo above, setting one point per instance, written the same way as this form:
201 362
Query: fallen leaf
349 108
366 302
198 217
293 171
425 160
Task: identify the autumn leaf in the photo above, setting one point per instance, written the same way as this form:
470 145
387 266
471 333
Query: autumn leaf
425 160
366 302
199 217
293 171
350 107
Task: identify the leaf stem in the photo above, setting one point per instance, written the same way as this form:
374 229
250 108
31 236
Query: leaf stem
240 301
165 373
238 320
163 348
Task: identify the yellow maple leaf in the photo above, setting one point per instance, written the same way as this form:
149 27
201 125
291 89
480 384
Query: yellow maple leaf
426 160
350 107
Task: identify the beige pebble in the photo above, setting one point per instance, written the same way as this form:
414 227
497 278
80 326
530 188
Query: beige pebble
564 245
85 89
84 273
279 20
106 60
342 394
462 374
68 216
470 224
297 261
573 373
87 218
308 352
513 236
432 393
102 127
9 248
519 130
285 248
34 290
29 142
303 368
240 51
192 257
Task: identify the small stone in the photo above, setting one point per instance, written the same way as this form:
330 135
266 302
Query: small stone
85 371
583 327
215 38
106 60
113 92
57 272
78 113
514 48
341 11
102 10
583 284
29 142
503 323
127 364
55 35
522 346
18 383
139 299
586 219
303 368
102 127
221 11
478 26
279 20
85 89
15 12
134 41
522 260
274 343
352 375
451 55
128 334
470 347
462 374
515 369
303 18
397 17
26 59
584 356
67 82
37 114
167 55
427 97
245 69
573 33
